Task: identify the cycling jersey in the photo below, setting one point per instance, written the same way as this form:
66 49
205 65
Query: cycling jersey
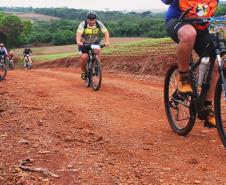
27 51
90 34
200 8
3 51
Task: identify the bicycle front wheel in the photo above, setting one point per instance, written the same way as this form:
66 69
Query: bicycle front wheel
96 74
180 109
3 70
11 65
88 72
220 111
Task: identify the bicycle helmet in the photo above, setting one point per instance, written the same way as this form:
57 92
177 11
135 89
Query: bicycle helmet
91 15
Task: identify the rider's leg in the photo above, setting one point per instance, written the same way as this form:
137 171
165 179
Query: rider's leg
187 37
98 54
201 48
24 62
30 60
210 117
83 59
215 76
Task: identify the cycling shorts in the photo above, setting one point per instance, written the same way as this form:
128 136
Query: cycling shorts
203 38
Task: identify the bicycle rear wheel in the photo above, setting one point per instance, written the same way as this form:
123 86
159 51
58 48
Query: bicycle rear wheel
180 109
96 74
220 111
3 70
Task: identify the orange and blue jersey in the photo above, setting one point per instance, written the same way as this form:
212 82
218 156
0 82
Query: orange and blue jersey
201 8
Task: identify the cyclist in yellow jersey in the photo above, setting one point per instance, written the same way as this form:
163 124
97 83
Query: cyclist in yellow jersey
88 32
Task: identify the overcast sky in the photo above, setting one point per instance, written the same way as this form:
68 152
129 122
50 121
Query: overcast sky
88 4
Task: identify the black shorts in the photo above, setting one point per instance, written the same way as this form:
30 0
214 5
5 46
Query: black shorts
203 38
84 49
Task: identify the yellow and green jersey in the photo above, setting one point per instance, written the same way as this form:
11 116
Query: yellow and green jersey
91 34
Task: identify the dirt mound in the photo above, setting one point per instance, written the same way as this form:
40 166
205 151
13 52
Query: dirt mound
152 65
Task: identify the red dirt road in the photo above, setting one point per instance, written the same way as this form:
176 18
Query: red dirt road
118 135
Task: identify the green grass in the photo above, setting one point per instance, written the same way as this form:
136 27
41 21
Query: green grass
49 57
119 47
140 47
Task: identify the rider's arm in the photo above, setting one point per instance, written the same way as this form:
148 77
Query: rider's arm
107 38
6 53
78 38
167 1
79 33
106 33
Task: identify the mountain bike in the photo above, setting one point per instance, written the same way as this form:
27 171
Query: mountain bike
182 110
10 63
93 68
27 62
3 68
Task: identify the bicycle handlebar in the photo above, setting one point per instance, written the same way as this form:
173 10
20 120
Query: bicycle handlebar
193 20
88 46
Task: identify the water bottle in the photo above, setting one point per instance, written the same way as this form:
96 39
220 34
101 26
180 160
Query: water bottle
203 67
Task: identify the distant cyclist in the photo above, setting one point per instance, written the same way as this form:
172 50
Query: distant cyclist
88 32
10 55
27 53
191 37
3 51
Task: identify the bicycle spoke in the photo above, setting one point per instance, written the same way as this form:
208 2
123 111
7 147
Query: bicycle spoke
177 105
223 112
220 111
96 75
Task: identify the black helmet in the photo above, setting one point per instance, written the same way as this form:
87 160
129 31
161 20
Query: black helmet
91 15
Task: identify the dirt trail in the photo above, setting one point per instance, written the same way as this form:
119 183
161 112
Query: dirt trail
118 135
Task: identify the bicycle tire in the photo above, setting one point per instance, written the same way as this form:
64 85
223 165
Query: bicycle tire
3 70
88 78
11 65
175 98
96 73
29 66
219 114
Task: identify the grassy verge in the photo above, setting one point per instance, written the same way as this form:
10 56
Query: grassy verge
43 58
119 47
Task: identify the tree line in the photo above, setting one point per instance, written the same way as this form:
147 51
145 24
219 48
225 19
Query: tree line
16 32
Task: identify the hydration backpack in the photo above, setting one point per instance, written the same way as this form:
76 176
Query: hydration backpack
90 31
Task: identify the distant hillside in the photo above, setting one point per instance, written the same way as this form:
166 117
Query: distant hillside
35 17
79 14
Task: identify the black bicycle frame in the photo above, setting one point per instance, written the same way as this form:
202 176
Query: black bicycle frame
92 55
206 85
